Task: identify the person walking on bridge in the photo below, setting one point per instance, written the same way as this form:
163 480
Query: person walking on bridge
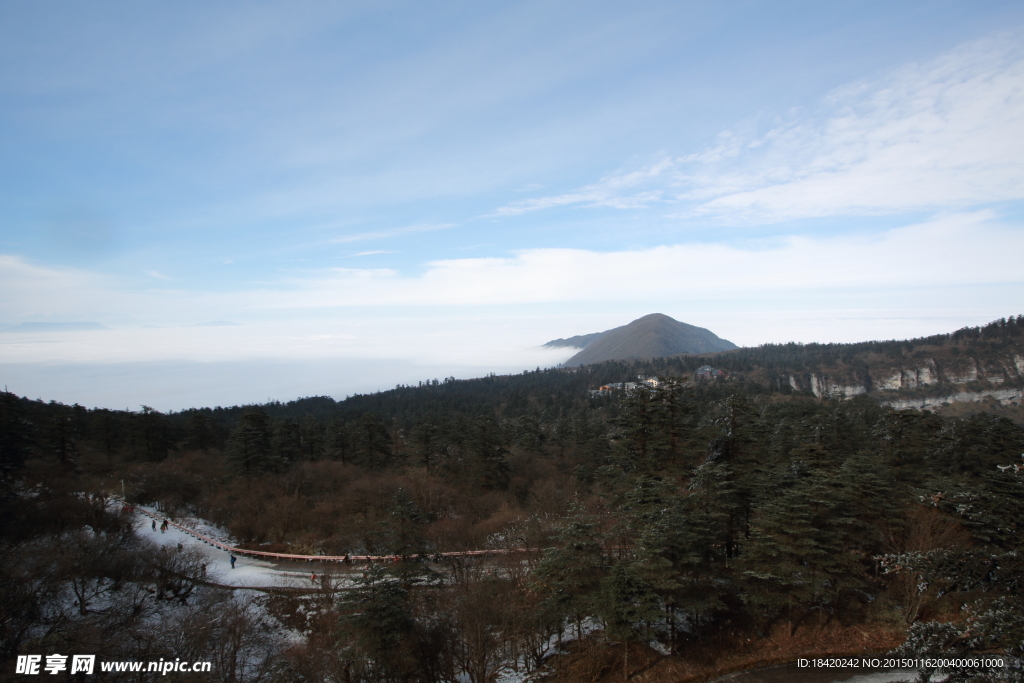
233 558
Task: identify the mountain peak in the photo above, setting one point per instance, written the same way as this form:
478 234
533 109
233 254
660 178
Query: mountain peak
651 336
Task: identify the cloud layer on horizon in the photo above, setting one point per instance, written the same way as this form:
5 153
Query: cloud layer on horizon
930 253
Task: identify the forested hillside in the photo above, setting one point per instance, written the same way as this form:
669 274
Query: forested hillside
669 531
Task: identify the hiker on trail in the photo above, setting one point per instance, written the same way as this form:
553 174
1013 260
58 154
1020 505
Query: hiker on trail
163 527
154 525
312 579
233 558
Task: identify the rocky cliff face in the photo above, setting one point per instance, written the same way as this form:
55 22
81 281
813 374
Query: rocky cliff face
927 372
909 378
966 365
1003 396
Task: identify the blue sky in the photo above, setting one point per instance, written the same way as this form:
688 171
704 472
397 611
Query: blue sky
397 191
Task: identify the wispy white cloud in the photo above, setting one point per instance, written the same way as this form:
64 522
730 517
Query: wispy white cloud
939 135
374 252
948 133
157 274
618 191
381 234
33 292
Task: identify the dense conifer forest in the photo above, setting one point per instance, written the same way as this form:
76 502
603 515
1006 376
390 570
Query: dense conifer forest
664 532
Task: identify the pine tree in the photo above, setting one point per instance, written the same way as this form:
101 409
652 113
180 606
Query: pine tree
624 602
339 441
286 441
372 441
377 625
569 575
15 434
489 457
198 432
250 447
798 559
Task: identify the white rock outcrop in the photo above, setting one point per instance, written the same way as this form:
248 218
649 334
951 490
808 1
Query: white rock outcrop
823 386
1004 396
895 381
962 375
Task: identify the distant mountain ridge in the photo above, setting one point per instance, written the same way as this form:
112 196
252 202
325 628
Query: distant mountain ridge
652 336
579 341
53 327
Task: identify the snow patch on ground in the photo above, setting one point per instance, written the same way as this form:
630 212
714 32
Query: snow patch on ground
248 571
